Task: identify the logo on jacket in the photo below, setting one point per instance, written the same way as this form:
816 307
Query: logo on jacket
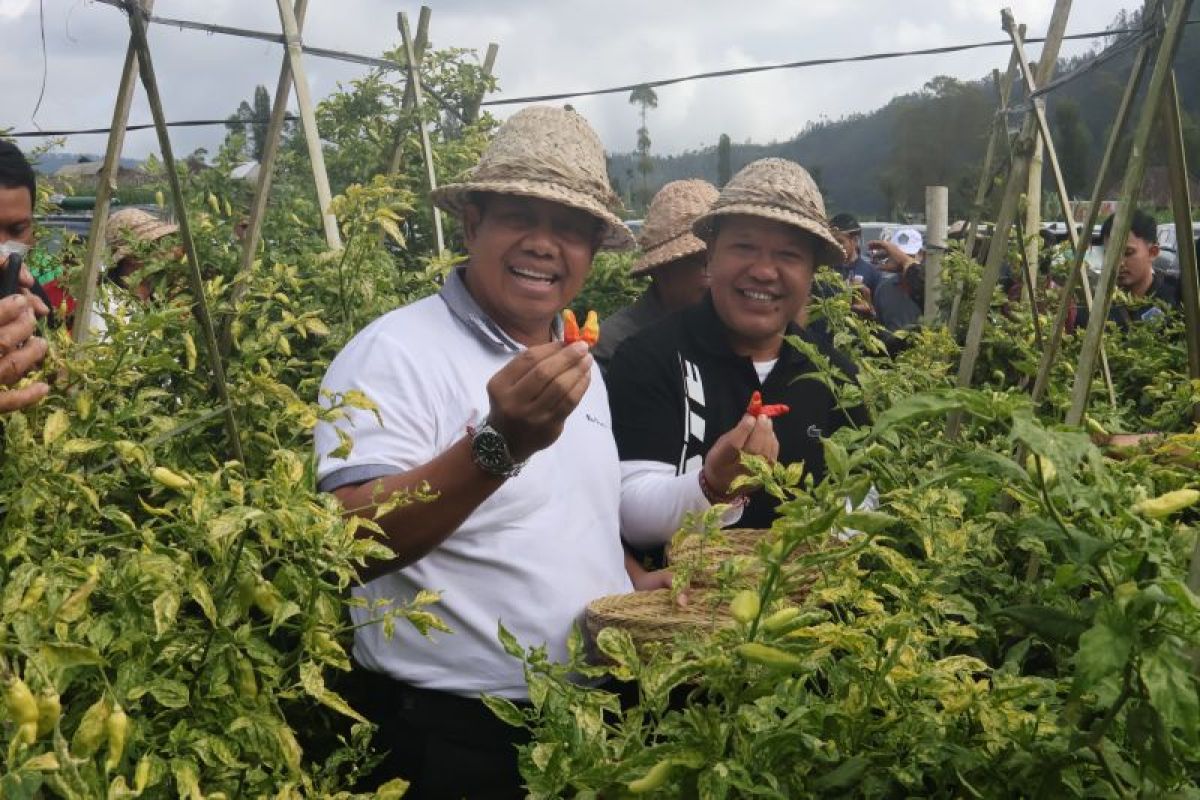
814 432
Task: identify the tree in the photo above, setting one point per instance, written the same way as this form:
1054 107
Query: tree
645 97
724 167
1073 143
256 117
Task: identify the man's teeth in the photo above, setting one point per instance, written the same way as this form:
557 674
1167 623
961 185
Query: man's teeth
537 276
764 296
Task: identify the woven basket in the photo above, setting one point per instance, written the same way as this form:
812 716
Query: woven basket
650 617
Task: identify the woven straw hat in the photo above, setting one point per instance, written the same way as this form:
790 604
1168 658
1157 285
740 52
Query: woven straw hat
551 154
780 190
134 225
667 234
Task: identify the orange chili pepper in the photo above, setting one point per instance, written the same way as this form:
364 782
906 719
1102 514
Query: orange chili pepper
591 329
775 410
570 327
756 408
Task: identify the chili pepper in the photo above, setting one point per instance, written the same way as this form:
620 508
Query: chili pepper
570 327
775 410
1167 504
781 620
117 728
91 731
756 404
76 603
33 594
171 480
189 351
266 598
23 708
49 711
141 774
292 753
654 779
591 329
247 687
745 606
768 656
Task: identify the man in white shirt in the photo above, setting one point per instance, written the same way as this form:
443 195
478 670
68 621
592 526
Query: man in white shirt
479 398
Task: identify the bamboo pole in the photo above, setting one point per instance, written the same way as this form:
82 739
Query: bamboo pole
262 192
308 119
85 292
137 30
1077 274
1031 244
1181 205
406 103
937 202
1064 199
489 63
1017 182
414 80
1135 172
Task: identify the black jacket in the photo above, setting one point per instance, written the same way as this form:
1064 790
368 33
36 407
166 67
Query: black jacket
676 387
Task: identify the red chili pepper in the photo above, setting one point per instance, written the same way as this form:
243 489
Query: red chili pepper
570 327
774 410
591 329
756 404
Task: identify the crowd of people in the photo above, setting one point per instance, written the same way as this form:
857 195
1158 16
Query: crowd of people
558 472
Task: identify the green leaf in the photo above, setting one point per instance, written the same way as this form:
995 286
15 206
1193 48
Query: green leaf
1172 690
314 683
169 693
844 776
510 643
1052 625
64 655
505 709
1104 648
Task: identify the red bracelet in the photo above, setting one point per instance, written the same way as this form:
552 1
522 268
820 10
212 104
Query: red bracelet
712 495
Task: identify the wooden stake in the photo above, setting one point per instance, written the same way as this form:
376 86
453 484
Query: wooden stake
1077 274
308 119
137 30
1017 182
1181 205
1033 210
937 202
471 114
414 79
406 103
1134 174
85 292
1046 143
262 192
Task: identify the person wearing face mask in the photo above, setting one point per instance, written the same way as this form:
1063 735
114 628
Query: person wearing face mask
21 350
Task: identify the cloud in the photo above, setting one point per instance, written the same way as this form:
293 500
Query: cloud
544 48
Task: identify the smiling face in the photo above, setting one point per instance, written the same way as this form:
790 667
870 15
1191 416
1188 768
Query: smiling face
528 260
760 274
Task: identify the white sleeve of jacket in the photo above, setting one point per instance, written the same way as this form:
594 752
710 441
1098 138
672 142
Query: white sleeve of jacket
655 501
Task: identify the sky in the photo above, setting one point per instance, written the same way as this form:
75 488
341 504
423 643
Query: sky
546 46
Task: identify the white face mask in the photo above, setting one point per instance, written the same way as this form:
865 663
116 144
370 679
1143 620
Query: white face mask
12 247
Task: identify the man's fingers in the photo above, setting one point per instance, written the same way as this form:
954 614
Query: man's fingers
13 308
739 434
36 304
762 441
16 399
530 386
16 364
26 277
16 332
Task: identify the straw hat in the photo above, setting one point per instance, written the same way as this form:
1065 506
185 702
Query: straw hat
780 190
551 154
667 234
134 225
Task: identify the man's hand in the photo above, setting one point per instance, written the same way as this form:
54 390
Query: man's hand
753 436
861 304
20 350
897 260
534 394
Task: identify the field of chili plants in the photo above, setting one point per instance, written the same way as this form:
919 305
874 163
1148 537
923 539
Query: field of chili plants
1014 620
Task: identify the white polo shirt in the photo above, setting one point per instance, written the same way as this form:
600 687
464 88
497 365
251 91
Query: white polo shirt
531 556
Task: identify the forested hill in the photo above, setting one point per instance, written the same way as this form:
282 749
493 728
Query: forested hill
878 163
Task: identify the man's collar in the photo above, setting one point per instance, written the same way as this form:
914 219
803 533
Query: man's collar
462 304
711 333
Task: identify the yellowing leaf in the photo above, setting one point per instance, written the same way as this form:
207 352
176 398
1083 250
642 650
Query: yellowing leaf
56 425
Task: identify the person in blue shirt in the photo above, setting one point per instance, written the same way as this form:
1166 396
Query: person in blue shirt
849 235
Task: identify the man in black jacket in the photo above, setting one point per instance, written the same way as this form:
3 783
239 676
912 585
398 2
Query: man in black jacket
679 389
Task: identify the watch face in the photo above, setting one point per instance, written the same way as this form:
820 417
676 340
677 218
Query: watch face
491 452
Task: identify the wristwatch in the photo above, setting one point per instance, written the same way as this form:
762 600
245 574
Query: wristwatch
490 452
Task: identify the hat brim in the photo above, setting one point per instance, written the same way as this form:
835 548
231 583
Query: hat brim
831 253
453 198
672 250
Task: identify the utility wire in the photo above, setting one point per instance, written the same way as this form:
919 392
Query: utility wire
392 65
